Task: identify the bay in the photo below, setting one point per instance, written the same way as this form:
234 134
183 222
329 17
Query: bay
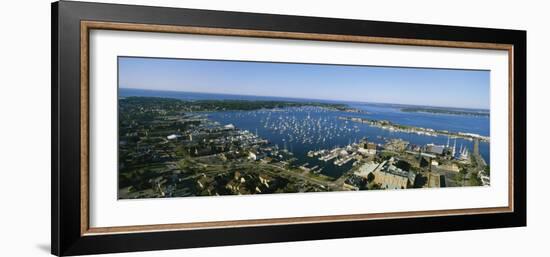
304 129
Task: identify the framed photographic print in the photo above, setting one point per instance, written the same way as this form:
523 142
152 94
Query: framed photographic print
177 128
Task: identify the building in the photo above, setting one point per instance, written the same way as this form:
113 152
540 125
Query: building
264 179
371 146
251 156
365 151
172 137
366 169
486 180
412 178
391 177
434 180
449 167
396 145
435 149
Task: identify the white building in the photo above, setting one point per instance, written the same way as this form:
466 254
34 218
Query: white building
251 156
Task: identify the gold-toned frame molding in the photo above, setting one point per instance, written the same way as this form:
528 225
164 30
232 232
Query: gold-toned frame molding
86 26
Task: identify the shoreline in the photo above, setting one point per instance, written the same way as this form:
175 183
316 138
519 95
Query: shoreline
388 125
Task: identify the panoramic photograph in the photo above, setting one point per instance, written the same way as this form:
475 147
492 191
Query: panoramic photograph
190 127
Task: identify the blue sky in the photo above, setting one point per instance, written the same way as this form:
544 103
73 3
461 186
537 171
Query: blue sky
434 87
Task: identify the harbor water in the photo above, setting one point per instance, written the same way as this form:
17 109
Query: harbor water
304 129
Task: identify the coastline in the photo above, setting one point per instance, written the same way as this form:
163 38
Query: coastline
388 125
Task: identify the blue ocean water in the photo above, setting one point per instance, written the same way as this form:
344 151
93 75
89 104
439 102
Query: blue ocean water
303 129
455 123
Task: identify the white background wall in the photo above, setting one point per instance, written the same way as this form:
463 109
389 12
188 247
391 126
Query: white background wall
25 127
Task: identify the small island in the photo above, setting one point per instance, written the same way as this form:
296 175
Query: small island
478 113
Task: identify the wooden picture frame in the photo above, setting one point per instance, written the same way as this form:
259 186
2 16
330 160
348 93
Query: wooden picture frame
71 25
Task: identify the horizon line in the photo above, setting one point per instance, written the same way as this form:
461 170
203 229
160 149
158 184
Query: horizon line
335 100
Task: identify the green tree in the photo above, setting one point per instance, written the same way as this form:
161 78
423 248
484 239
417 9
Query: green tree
370 177
404 165
459 178
475 180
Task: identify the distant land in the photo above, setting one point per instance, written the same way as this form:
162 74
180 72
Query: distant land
195 96
211 105
447 111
